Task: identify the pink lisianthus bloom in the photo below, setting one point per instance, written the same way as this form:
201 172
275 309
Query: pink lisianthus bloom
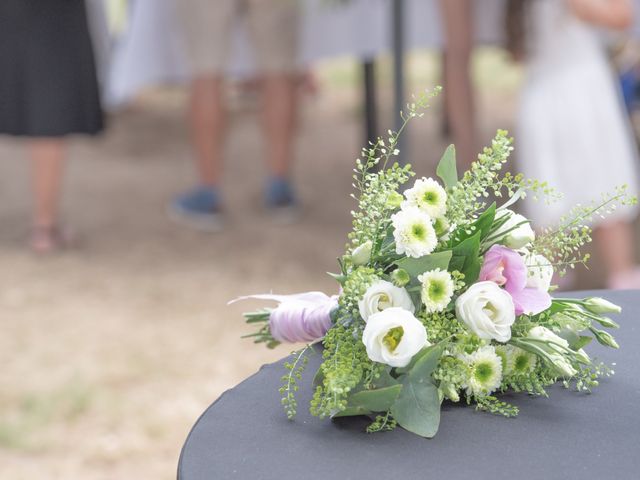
506 267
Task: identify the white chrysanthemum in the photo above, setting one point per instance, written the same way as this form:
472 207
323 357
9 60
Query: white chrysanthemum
413 232
485 371
437 290
515 361
428 196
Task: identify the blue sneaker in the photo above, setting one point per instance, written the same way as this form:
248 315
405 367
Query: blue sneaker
281 201
200 208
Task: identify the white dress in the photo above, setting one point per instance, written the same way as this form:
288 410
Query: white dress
572 129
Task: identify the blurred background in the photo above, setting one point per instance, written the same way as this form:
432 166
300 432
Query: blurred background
119 253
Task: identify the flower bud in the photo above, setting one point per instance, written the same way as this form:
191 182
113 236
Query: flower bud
600 305
582 357
449 392
607 322
362 254
605 338
400 277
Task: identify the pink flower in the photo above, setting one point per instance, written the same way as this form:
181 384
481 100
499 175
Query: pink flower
506 267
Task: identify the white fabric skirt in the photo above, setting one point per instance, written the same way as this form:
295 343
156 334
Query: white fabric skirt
573 133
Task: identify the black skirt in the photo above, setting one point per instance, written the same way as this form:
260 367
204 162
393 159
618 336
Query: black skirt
48 84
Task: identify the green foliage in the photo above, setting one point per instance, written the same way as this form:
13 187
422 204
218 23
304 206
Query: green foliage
562 244
417 266
447 169
382 423
441 325
290 381
466 258
366 402
417 408
492 405
345 364
263 335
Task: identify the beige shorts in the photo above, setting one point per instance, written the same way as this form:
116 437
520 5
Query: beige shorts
209 25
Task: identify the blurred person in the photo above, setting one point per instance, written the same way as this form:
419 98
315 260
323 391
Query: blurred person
457 18
48 90
573 130
208 27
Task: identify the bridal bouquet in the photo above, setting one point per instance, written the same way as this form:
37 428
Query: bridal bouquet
444 295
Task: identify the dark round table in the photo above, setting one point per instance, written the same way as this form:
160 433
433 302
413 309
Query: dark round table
245 434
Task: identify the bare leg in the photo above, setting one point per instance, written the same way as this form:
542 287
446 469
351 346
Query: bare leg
207 119
616 246
47 161
457 16
280 102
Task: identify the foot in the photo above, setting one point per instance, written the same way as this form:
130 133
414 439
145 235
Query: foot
629 280
280 200
200 208
48 239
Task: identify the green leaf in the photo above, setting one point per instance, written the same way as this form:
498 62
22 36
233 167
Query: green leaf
417 266
466 258
447 169
485 221
417 408
366 402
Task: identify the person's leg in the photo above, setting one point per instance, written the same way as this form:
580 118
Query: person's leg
615 243
208 127
279 117
457 17
274 29
47 162
207 27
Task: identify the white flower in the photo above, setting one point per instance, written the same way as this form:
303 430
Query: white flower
515 360
428 196
362 253
393 337
413 233
437 290
600 305
539 272
485 371
560 362
517 230
487 310
382 295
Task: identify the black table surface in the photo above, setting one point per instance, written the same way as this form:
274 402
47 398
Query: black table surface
245 433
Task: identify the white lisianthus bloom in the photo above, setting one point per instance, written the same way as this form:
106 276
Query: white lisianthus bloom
413 232
539 272
437 290
560 362
600 305
382 295
487 310
393 337
428 196
517 230
485 371
362 253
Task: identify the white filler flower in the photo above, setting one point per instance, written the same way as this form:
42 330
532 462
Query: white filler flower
539 272
560 362
485 371
437 290
413 232
487 310
517 230
382 295
393 337
428 196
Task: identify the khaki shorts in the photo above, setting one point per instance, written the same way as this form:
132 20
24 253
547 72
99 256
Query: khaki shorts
209 27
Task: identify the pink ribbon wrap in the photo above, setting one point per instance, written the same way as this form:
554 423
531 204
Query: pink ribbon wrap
299 318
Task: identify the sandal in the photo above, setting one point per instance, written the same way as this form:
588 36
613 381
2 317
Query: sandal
48 239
